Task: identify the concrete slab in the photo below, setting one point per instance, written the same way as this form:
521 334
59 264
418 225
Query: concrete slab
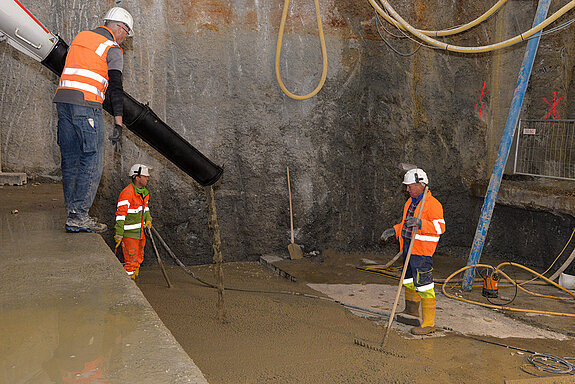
462 317
457 315
68 309
12 178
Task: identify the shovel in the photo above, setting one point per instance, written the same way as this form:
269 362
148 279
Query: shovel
294 249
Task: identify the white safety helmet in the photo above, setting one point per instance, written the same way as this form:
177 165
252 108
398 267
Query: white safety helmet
139 170
416 175
122 16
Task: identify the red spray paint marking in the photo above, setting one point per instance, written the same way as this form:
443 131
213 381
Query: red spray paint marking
553 112
483 93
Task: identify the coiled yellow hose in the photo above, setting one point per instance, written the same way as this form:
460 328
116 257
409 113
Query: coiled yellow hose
514 283
279 50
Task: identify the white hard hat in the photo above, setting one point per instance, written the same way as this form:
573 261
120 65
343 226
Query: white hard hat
122 16
416 175
139 170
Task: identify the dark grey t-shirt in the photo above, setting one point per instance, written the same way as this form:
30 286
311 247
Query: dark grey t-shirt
115 60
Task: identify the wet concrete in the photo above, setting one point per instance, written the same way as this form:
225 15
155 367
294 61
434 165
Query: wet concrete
273 334
68 310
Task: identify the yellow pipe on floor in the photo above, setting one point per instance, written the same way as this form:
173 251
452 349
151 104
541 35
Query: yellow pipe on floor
507 277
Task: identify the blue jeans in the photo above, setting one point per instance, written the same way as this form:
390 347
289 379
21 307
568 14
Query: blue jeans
81 141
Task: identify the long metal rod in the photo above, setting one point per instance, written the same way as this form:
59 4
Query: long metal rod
404 270
159 258
504 147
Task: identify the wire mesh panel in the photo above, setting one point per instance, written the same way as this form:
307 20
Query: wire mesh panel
546 148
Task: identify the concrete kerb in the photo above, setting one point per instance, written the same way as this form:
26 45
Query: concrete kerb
67 304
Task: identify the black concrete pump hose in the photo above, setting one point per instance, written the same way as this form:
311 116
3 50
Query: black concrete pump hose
143 122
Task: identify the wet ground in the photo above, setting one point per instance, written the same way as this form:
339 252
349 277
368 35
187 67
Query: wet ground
68 311
270 335
274 330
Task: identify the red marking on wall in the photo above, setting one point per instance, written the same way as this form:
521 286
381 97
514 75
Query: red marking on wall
480 104
553 112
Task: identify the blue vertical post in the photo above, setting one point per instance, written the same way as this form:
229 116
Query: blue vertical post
504 146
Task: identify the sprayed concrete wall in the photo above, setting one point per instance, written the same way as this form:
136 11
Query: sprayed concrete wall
207 68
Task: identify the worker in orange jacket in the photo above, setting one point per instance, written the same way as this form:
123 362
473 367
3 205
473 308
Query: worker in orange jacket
132 216
418 281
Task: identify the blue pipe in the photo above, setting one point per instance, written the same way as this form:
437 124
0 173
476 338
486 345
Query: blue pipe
504 146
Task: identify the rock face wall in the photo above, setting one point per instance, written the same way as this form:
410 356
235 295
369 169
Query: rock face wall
207 68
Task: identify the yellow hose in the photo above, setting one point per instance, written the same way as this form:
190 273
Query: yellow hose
485 48
279 49
507 277
443 32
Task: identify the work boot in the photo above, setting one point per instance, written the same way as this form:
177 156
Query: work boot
132 275
428 324
410 315
86 224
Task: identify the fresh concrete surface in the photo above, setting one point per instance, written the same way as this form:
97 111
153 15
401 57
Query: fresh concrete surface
67 306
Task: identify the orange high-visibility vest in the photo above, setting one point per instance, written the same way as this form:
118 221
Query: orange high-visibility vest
432 226
86 69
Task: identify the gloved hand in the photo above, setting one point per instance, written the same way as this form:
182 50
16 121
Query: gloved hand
413 222
148 224
115 137
387 234
118 240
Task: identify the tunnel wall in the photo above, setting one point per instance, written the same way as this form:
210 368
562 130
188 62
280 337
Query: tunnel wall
206 68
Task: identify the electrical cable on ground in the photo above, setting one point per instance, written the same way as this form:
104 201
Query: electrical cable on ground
502 307
549 363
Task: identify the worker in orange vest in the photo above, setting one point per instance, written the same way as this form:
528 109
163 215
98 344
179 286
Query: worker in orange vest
132 216
418 281
92 72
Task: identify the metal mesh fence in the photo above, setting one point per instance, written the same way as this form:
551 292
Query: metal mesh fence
546 148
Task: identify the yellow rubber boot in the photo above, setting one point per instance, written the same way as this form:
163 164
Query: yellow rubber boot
428 324
410 315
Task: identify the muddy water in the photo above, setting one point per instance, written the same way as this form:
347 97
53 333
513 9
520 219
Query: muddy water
281 338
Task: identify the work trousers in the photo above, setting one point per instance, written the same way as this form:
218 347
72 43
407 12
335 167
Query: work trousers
419 272
133 250
81 141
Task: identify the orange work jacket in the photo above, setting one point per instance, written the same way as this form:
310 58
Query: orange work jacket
432 226
86 68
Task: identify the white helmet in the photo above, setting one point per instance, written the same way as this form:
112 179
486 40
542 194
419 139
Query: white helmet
416 175
139 170
122 16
